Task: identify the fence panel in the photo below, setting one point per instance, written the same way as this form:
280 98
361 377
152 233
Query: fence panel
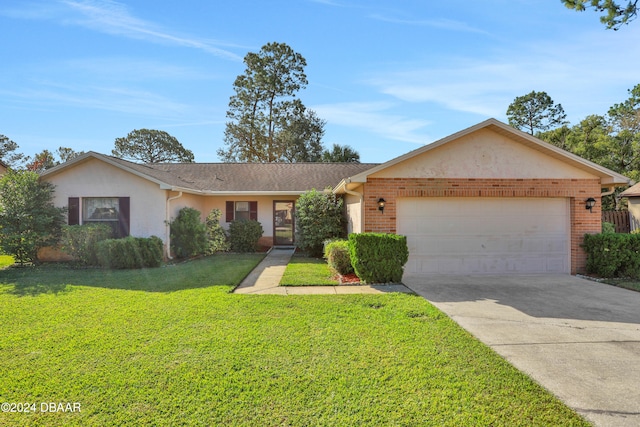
618 218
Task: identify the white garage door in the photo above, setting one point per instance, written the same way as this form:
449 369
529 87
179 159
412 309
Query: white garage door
485 235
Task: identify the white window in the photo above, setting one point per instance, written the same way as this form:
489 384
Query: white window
242 210
100 209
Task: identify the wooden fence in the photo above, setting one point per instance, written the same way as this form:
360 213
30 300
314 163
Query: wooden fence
618 218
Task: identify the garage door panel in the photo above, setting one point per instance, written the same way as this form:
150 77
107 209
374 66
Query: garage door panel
485 235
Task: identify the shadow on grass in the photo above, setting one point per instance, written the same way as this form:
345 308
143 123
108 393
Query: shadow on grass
216 270
32 289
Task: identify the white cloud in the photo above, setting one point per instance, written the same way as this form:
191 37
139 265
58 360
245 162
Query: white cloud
441 23
585 73
375 118
49 95
111 17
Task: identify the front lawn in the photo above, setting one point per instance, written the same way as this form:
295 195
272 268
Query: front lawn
305 271
171 346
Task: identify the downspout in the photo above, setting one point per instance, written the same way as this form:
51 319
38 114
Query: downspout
167 221
612 190
608 193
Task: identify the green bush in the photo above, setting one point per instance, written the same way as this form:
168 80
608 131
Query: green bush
338 257
130 252
188 234
608 227
613 254
377 257
28 218
244 235
80 241
319 217
216 236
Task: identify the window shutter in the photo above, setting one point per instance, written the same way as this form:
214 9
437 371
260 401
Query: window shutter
123 216
74 211
230 211
253 211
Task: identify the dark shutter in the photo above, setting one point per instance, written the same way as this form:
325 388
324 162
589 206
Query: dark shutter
253 211
230 211
74 210
123 216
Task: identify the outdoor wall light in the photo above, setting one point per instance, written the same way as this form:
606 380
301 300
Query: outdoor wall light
590 203
381 203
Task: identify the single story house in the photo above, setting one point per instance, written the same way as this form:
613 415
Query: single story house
489 199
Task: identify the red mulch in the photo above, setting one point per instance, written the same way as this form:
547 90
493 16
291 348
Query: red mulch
349 279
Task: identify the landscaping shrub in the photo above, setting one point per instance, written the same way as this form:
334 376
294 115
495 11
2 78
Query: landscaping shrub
28 218
319 217
216 236
244 235
613 254
188 234
608 227
338 257
80 241
377 257
130 252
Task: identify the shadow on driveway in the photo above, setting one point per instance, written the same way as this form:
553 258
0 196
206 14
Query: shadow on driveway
550 296
579 339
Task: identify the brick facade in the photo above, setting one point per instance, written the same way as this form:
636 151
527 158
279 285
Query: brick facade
576 190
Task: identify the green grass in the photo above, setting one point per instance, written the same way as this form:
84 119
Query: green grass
632 284
172 347
6 261
306 271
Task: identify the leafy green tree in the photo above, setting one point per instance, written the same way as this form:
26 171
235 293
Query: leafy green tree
535 112
319 217
301 140
151 146
65 154
41 161
341 154
617 14
28 218
267 123
624 122
46 159
8 153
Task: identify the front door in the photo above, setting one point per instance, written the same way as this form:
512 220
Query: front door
283 222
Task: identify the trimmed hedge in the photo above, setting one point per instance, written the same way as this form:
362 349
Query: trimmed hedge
378 257
80 241
338 257
130 252
244 235
613 254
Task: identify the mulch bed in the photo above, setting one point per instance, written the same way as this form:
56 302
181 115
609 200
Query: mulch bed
349 279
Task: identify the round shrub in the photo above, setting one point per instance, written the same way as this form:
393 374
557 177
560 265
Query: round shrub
337 254
188 234
319 217
244 235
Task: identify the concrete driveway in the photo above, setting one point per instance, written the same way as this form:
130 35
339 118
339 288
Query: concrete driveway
577 338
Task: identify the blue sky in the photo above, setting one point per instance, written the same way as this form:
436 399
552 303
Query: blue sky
387 76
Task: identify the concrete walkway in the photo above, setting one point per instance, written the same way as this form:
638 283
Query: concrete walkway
265 279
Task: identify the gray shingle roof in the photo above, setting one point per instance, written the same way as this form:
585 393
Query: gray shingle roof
248 177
